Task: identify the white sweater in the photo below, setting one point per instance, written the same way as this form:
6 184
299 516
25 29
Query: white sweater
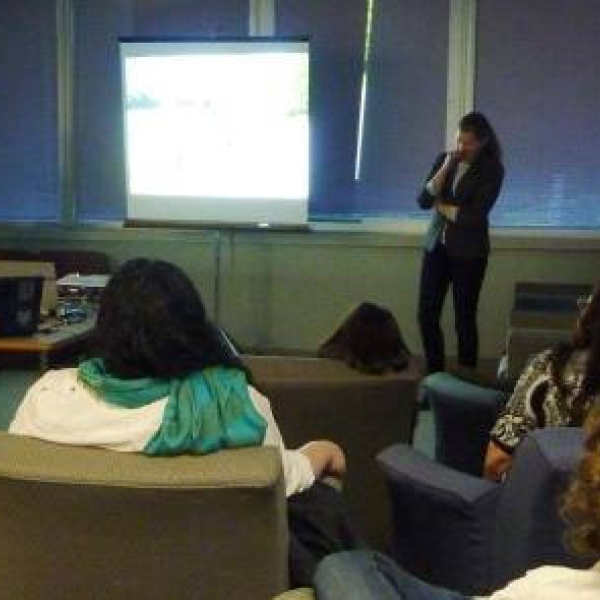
60 408
553 583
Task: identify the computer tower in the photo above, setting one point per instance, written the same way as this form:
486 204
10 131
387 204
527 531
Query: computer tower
20 299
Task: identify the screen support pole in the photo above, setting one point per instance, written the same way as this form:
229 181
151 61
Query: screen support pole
217 278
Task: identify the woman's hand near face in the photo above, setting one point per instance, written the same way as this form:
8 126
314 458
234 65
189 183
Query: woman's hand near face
452 157
436 183
449 160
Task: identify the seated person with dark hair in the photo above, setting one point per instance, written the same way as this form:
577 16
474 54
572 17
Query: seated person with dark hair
366 575
368 340
558 389
163 381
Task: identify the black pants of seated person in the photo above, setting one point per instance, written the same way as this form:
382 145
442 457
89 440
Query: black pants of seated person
319 525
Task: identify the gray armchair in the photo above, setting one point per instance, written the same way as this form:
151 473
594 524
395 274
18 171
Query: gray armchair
315 398
471 535
87 523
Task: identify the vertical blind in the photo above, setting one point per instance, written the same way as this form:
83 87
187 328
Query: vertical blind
99 160
538 80
29 171
337 30
405 107
99 153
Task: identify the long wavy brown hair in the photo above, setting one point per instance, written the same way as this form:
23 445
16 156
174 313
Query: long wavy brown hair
581 503
586 336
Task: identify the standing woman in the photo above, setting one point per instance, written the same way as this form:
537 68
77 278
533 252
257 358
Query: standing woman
461 189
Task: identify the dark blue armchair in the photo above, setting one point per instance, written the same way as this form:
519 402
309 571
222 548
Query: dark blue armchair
463 415
472 535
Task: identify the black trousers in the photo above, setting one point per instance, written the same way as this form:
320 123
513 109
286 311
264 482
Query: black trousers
466 275
319 524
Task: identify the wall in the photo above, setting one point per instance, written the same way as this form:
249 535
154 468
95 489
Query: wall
289 290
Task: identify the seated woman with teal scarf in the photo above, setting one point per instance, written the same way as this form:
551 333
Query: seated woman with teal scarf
163 381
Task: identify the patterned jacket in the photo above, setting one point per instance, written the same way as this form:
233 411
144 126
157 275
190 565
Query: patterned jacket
538 402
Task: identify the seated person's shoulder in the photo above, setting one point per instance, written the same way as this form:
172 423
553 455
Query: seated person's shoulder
45 398
554 580
55 380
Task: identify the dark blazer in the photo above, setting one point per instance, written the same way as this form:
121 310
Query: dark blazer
475 196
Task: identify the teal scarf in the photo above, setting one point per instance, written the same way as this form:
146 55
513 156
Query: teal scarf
206 411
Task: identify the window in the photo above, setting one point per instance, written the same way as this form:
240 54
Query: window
379 73
337 31
98 127
29 172
98 153
404 121
541 92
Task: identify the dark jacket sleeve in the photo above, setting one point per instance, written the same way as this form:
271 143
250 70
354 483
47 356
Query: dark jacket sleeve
476 201
425 200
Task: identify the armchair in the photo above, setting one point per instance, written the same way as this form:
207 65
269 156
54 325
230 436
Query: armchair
314 398
463 415
474 536
89 523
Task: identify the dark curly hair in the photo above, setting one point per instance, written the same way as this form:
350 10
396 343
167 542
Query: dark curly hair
152 323
581 503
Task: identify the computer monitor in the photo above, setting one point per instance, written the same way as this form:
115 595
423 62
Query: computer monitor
45 270
20 299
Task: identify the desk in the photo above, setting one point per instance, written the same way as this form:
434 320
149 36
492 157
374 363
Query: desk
46 347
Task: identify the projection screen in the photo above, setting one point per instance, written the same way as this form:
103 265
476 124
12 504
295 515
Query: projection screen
217 131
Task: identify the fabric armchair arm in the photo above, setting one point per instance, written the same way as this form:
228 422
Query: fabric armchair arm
528 530
404 466
297 594
441 520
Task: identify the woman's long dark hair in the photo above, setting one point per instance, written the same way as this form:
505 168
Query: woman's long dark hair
477 124
369 340
152 323
585 337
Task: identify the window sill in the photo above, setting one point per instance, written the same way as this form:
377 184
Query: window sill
371 233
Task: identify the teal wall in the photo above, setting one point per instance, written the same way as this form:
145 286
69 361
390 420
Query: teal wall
289 290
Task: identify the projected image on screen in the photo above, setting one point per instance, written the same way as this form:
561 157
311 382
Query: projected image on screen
217 131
